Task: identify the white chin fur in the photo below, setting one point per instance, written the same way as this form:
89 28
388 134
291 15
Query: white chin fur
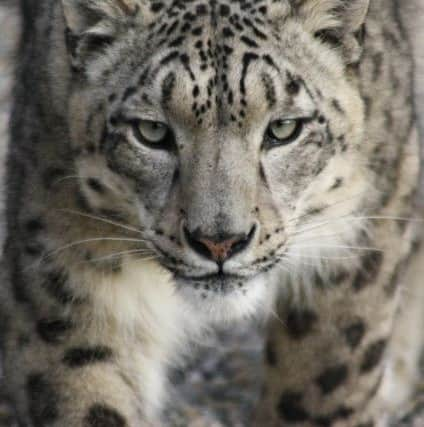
211 308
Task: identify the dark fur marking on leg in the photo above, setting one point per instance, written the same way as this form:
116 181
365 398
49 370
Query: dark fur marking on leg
332 378
81 356
341 413
51 176
354 334
290 408
96 185
55 285
104 416
42 400
373 355
371 265
53 331
270 354
34 225
336 105
300 323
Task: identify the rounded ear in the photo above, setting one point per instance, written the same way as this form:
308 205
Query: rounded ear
91 25
336 22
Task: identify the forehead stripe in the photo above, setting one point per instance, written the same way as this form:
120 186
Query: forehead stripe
270 92
168 85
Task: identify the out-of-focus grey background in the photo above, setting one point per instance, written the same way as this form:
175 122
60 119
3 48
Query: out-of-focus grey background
229 374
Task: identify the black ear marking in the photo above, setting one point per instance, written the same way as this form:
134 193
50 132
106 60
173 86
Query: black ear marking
328 36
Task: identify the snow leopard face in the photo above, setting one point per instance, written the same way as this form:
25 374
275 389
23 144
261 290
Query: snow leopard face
228 132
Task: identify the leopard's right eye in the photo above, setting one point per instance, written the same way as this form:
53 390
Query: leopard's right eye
154 134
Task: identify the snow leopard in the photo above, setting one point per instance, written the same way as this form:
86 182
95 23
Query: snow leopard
177 165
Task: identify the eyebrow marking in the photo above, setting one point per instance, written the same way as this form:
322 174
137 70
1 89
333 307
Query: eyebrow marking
270 92
168 85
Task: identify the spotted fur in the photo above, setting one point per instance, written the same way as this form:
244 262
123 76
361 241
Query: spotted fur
106 275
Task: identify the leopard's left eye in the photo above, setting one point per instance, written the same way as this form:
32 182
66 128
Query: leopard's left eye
281 132
152 132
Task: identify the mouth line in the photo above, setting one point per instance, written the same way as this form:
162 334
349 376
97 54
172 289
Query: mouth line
219 276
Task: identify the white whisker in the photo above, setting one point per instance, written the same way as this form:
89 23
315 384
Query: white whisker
349 199
99 218
359 248
322 257
80 242
118 254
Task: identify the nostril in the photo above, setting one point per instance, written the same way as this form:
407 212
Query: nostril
219 248
196 244
242 244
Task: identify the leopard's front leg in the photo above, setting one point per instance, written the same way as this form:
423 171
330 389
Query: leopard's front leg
325 361
67 382
61 371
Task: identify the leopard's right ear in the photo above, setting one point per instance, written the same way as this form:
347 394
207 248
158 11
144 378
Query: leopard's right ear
81 15
91 25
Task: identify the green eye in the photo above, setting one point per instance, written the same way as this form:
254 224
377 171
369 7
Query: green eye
284 131
152 132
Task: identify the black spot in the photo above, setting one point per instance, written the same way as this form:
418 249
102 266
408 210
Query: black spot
336 105
34 225
249 42
156 7
167 59
197 31
129 91
81 356
354 334
373 356
33 248
177 42
55 284
104 416
201 10
367 424
290 407
341 413
293 87
227 32
314 210
368 105
53 331
270 353
270 92
224 10
20 291
300 323
332 378
371 265
394 281
338 182
42 400
95 185
377 64
168 86
328 36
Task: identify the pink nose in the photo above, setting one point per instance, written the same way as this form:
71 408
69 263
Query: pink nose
219 248
220 251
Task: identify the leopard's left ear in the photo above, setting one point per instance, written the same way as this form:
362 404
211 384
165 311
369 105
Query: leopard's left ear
336 22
